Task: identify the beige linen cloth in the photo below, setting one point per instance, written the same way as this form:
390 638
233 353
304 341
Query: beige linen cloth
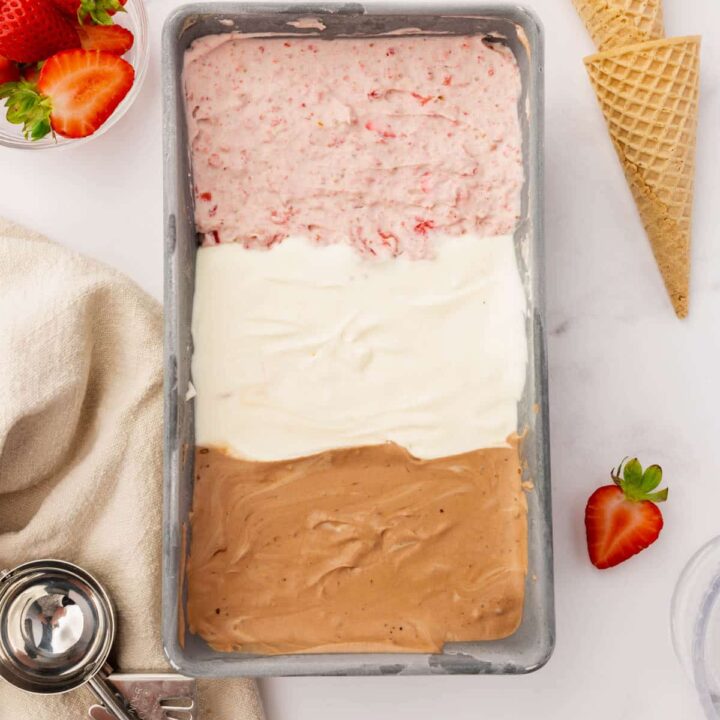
81 450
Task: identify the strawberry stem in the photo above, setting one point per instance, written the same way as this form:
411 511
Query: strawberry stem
28 107
638 484
99 11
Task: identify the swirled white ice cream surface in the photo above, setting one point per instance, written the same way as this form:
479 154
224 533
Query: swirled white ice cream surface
303 348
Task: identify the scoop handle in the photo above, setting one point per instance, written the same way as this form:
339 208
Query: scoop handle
110 698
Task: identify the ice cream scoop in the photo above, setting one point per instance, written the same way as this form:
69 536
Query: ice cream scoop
57 626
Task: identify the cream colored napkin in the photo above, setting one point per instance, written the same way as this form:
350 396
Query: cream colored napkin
81 450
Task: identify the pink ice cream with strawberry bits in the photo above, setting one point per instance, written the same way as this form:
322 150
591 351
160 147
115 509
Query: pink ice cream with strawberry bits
388 144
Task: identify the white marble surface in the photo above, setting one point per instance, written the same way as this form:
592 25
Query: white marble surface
626 377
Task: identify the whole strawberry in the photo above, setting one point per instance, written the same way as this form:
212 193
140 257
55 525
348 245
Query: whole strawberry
32 30
622 519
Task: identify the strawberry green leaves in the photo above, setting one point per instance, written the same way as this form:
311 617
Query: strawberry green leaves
638 484
27 107
632 472
652 477
99 12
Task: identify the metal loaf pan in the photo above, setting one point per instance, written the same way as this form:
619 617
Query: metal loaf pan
530 647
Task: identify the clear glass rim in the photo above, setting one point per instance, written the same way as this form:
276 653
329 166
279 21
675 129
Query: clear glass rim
697 591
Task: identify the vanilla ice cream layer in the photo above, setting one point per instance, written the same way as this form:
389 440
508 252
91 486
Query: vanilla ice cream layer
303 348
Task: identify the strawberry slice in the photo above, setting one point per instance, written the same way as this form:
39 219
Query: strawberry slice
623 519
84 87
76 93
9 71
99 12
108 38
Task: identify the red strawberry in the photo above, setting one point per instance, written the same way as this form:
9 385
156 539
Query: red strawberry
32 30
9 71
85 87
108 38
76 93
99 12
31 72
623 519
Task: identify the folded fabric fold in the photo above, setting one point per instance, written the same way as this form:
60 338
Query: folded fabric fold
81 449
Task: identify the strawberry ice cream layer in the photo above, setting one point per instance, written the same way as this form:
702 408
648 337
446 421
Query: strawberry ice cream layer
388 144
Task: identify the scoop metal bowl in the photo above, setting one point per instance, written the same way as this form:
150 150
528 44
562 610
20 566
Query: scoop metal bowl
57 626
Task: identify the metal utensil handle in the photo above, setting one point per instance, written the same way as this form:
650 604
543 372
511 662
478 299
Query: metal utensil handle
105 692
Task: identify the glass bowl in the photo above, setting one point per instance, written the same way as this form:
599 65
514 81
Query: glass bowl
695 622
135 20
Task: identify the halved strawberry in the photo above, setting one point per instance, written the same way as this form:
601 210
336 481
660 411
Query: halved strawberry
85 87
108 38
623 519
99 12
76 93
32 30
9 71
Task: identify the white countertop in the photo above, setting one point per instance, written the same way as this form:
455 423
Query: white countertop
626 378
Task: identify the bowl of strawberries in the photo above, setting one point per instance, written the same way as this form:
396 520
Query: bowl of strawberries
69 69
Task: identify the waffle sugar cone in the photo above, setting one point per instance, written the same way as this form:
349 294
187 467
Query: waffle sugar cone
616 23
649 95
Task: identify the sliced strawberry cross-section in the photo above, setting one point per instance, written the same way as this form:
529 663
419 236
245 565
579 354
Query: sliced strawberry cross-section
622 519
85 87
108 38
76 92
